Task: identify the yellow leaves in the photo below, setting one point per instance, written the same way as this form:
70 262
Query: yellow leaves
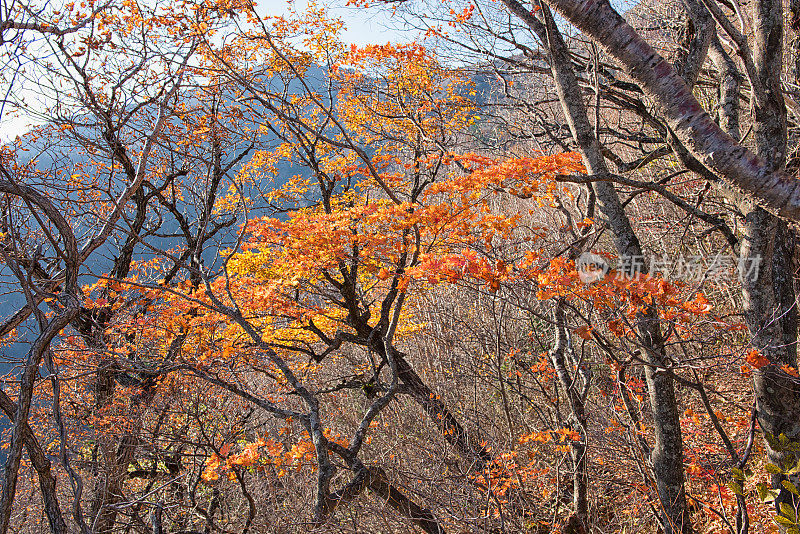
414 95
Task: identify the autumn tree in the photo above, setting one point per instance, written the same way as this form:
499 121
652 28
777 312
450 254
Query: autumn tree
111 108
769 298
768 295
286 273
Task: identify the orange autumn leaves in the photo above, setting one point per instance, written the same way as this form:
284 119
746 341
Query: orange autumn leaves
450 217
630 295
757 360
446 236
523 467
287 267
561 435
452 234
258 454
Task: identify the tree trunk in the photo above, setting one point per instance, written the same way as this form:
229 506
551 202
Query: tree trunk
667 452
40 462
768 251
777 191
729 81
467 446
579 423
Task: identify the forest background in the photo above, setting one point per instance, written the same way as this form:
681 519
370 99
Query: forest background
523 271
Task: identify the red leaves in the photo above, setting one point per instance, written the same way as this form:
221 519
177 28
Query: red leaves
756 359
584 332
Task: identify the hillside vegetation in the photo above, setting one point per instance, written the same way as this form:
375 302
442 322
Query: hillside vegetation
532 271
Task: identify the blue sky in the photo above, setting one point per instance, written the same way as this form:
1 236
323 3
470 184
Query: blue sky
363 26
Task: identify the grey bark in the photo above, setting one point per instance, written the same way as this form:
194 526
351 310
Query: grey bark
667 451
769 296
729 82
699 30
760 177
774 189
376 479
422 517
156 518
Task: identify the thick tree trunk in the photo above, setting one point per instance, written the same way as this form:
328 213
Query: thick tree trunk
699 32
108 485
667 452
768 251
770 299
776 190
117 451
422 517
467 446
773 332
375 478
